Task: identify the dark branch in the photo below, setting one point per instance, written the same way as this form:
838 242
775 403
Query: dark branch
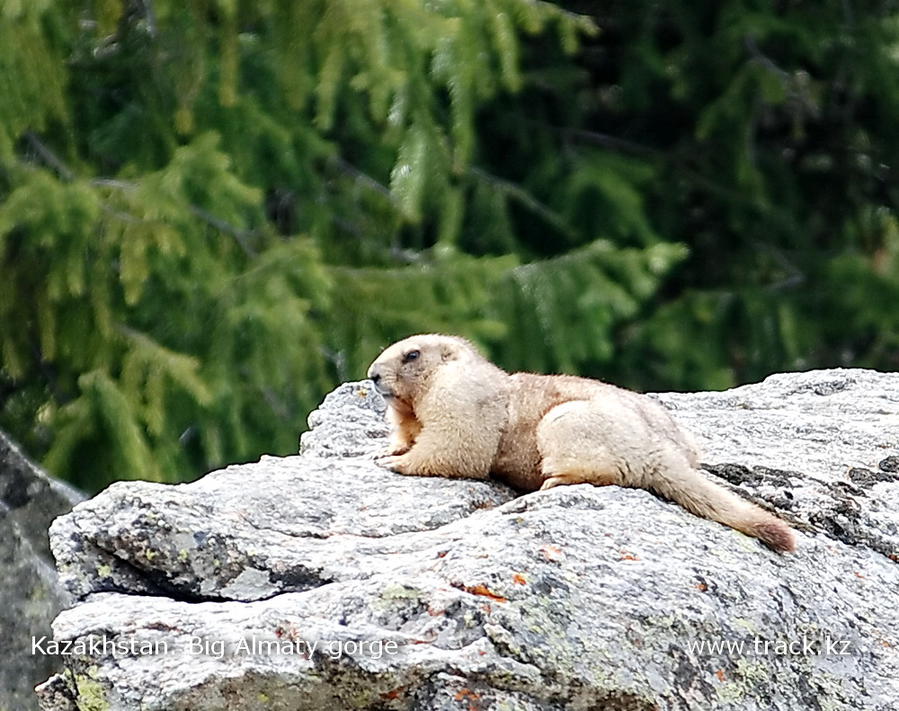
49 157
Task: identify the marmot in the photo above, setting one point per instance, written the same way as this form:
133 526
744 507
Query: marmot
456 414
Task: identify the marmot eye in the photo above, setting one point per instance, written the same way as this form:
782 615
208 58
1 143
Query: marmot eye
410 356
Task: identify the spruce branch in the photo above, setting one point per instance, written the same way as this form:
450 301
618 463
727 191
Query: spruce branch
241 236
524 198
363 178
763 59
607 140
49 157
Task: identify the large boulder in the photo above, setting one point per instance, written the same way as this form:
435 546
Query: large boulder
323 581
30 596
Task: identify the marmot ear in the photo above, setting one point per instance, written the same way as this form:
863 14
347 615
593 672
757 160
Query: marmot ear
449 351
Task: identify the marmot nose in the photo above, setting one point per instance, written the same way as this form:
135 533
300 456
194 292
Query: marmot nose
374 375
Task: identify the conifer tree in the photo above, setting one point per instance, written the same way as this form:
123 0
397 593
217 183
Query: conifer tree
211 212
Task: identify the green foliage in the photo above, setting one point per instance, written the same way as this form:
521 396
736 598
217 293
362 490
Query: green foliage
212 211
564 310
773 166
159 335
30 81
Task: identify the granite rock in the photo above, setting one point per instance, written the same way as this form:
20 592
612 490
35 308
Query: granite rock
30 595
323 581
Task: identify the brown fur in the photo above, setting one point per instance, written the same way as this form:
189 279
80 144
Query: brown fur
455 414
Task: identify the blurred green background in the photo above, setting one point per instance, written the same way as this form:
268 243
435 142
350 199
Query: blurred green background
213 211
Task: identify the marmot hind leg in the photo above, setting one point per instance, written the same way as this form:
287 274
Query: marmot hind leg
596 443
571 448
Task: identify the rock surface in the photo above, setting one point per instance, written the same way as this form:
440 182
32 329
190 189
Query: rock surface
322 581
30 596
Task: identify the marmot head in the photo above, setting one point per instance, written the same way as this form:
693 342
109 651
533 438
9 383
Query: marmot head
402 370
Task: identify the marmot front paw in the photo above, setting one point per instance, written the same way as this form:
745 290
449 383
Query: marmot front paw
394 462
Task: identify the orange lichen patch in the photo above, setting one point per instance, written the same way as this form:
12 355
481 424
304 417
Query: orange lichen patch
393 693
702 587
520 579
466 694
720 674
859 575
472 697
627 556
486 592
482 590
551 552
